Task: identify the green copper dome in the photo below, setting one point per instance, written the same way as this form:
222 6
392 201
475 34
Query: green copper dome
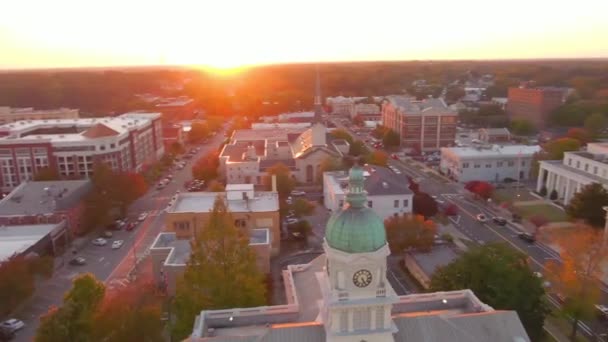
356 228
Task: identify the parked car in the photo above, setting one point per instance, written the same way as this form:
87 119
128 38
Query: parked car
131 226
602 310
78 261
107 234
394 156
298 193
142 216
12 325
117 244
100 242
499 220
481 218
527 237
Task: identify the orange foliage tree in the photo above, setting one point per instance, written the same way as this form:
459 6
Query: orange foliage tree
576 276
131 313
410 232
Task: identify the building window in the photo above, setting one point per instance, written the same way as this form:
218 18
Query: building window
181 225
578 164
396 204
511 163
102 147
523 163
488 166
499 164
240 223
476 166
595 170
465 165
370 204
569 161
406 203
586 167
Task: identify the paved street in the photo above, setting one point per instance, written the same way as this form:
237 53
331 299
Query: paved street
111 266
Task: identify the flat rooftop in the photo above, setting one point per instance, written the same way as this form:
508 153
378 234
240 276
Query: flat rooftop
193 202
17 239
439 256
181 248
83 129
378 181
411 106
493 151
44 197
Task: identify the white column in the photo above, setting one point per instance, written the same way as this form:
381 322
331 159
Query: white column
568 191
539 181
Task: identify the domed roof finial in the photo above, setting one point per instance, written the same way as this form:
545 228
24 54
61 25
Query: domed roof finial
356 195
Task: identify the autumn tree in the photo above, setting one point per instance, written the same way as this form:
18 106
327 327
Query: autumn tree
481 189
424 205
73 321
220 262
377 157
588 204
358 120
555 148
46 174
451 210
576 277
579 134
500 277
206 167
132 313
410 232
285 183
176 148
215 186
16 283
329 164
380 131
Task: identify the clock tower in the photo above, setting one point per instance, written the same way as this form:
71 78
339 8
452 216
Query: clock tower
357 296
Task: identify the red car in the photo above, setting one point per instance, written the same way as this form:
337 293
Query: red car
394 156
131 226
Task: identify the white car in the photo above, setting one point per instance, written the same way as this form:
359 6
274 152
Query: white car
100 242
117 244
298 193
142 216
288 200
12 325
481 218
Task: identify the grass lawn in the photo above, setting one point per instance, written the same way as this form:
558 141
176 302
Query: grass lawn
551 213
508 195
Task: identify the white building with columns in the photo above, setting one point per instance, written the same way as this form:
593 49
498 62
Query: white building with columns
576 170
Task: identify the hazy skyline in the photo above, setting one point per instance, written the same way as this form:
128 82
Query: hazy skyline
66 33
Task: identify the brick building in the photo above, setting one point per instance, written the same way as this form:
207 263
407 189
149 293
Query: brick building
46 202
428 124
71 146
534 104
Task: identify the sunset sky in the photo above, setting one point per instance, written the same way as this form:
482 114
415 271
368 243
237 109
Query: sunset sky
227 33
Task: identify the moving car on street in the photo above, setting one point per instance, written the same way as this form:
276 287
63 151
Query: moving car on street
527 237
100 242
12 325
499 220
481 218
142 216
117 244
78 261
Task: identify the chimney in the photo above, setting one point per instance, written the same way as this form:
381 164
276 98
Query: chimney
274 183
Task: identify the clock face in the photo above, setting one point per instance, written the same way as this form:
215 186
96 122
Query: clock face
362 278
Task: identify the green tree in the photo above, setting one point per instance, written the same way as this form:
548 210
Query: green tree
206 167
285 183
357 148
46 174
579 134
587 205
391 139
500 277
330 164
73 322
342 134
302 207
301 229
220 262
409 232
198 132
595 124
522 127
